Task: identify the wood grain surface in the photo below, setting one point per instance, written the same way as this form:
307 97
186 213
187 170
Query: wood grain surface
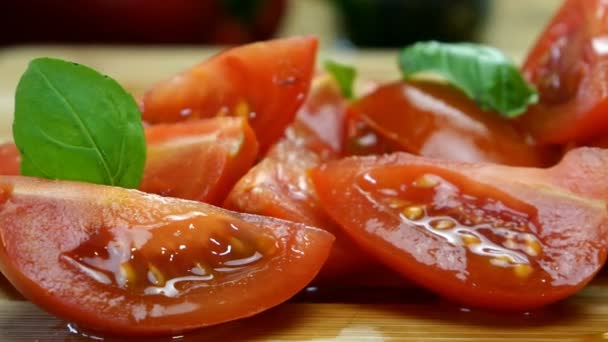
393 315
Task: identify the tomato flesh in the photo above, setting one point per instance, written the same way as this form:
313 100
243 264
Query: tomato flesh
436 120
265 82
10 159
479 234
569 66
127 262
198 160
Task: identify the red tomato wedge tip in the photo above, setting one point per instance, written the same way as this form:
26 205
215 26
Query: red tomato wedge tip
569 66
126 262
436 120
198 160
265 82
482 235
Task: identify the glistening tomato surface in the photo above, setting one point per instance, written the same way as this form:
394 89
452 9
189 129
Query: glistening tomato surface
569 66
279 186
198 160
127 262
481 235
265 82
436 120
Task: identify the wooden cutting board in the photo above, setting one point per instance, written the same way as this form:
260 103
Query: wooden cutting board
406 314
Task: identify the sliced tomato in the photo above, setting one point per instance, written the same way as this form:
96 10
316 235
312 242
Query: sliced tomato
435 120
198 160
569 66
279 185
10 160
482 235
127 262
265 82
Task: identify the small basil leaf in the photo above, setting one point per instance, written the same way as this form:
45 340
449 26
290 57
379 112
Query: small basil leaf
483 73
345 76
73 123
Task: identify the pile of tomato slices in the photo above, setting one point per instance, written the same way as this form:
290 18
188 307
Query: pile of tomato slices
262 178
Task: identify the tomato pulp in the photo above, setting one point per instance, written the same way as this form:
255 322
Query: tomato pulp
482 235
127 262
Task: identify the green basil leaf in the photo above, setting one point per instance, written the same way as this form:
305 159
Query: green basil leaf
483 73
73 123
345 76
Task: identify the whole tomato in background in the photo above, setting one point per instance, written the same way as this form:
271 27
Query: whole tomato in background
139 21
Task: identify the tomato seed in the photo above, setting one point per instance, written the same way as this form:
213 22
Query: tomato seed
443 224
523 270
414 212
426 181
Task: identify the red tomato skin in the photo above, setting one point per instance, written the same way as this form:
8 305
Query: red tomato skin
566 203
570 69
51 218
10 160
436 120
266 82
198 160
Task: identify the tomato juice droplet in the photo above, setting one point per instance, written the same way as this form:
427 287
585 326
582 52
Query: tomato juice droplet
169 258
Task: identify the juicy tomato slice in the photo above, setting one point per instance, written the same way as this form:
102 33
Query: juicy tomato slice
10 160
265 82
569 66
127 262
198 160
482 235
436 120
279 185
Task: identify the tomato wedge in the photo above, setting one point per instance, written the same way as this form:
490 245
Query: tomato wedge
265 82
127 262
482 235
569 66
279 185
198 160
436 120
192 160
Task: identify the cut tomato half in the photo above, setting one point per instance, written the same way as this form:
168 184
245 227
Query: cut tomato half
126 262
481 235
198 160
265 82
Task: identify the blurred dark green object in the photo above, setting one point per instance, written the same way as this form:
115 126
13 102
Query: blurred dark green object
395 23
